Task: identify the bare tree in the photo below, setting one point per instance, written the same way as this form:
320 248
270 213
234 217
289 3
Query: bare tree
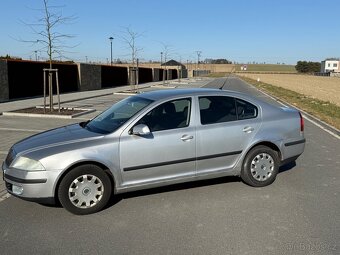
51 41
130 37
167 51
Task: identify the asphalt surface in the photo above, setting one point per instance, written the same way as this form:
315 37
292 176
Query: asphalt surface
297 214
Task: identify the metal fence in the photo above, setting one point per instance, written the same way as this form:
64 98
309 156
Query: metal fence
197 73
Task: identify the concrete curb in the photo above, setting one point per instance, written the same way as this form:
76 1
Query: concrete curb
164 86
70 97
37 115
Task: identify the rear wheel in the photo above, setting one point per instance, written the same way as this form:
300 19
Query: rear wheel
85 189
260 166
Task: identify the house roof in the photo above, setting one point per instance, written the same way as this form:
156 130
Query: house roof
332 59
172 63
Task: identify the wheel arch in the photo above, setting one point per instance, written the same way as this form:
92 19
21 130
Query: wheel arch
88 162
268 144
245 173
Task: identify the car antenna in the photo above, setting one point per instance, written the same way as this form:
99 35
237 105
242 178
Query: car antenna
225 82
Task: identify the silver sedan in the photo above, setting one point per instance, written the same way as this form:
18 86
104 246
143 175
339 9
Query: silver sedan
155 139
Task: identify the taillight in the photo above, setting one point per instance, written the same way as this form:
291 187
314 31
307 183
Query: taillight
302 123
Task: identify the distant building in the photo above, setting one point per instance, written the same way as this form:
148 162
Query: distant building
331 65
244 67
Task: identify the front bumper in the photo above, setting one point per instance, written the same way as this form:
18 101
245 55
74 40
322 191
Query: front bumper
34 186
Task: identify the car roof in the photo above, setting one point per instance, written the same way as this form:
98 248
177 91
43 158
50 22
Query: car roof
173 93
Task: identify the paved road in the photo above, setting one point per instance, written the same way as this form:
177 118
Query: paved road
297 214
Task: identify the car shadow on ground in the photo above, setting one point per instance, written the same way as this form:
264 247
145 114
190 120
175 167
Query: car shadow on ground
115 199
185 186
175 187
287 167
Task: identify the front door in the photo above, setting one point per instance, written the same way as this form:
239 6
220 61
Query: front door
167 153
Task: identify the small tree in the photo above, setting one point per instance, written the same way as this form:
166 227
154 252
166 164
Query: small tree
51 41
167 50
130 39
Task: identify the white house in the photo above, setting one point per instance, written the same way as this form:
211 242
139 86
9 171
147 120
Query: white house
330 65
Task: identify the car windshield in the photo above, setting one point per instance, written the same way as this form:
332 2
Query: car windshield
114 117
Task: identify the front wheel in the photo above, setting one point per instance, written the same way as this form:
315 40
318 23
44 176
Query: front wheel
84 190
260 166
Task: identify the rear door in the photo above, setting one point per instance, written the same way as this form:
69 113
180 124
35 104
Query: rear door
226 126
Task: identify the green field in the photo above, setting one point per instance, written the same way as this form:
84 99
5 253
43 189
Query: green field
268 68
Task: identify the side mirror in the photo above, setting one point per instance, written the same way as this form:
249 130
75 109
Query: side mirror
141 129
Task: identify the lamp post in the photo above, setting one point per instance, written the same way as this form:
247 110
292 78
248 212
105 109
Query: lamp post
162 69
198 52
111 39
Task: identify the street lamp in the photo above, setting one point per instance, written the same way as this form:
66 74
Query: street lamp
163 69
111 39
198 61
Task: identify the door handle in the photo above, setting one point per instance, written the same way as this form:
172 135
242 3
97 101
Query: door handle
248 129
187 138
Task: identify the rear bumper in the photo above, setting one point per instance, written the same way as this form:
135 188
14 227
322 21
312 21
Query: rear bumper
291 150
289 160
302 141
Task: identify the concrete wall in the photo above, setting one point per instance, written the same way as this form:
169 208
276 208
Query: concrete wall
214 68
168 74
132 76
4 90
172 74
156 74
24 78
184 73
113 76
89 77
145 75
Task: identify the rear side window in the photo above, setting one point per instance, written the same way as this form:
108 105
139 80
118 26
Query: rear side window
217 109
245 110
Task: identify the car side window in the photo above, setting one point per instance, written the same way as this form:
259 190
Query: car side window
217 109
245 110
170 115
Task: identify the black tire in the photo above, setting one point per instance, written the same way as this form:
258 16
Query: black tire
92 190
260 166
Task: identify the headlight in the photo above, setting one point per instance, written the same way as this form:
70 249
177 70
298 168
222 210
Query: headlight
27 164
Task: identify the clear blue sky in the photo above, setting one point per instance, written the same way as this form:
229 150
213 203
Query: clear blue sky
243 31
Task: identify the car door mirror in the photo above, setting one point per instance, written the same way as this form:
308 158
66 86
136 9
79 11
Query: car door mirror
141 129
